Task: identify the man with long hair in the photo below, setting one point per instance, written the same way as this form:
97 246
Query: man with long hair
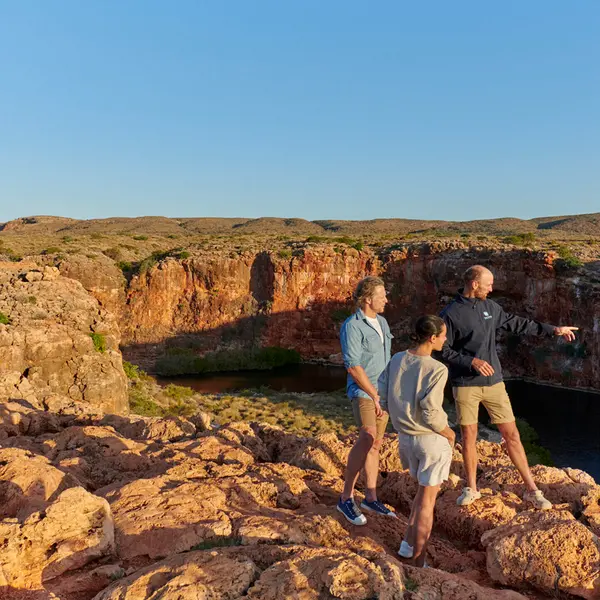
366 347
476 375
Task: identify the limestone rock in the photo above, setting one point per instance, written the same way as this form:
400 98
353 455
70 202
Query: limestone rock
72 531
48 340
431 584
28 483
547 550
191 576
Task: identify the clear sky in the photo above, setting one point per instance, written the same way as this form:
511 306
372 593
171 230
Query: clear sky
307 108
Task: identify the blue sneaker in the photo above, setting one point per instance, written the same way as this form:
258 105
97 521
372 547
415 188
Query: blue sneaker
351 512
378 507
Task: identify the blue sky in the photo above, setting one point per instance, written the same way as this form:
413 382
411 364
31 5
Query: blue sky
304 108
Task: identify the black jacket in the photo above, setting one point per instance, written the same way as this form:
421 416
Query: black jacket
471 330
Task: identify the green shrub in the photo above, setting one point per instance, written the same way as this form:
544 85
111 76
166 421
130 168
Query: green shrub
520 239
99 341
140 238
536 454
358 246
183 361
178 392
172 236
32 299
133 371
4 320
285 254
52 250
568 259
97 236
125 266
114 253
67 239
140 403
218 542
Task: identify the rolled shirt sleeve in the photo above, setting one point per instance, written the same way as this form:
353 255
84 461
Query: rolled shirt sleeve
351 342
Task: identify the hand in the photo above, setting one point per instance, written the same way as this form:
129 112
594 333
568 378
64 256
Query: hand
378 409
482 367
566 332
449 435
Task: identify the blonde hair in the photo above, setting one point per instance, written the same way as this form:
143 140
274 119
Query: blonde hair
365 289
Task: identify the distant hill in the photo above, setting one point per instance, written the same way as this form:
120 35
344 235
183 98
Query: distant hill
585 225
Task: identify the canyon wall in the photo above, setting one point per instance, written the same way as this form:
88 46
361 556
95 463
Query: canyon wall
271 299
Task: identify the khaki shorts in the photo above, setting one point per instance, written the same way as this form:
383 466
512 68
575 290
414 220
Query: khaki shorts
364 415
428 457
493 397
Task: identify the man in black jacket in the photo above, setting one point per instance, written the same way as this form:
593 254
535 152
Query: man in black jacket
476 375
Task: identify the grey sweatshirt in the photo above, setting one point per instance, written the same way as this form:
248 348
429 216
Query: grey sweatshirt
412 389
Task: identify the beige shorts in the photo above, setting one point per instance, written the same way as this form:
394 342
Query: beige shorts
493 397
364 415
427 457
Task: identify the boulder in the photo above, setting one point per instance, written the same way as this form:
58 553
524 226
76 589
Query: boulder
548 550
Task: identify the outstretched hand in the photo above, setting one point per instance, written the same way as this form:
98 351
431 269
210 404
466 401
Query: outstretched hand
566 332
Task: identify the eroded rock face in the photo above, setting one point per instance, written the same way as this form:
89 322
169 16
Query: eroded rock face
545 550
71 532
47 347
299 302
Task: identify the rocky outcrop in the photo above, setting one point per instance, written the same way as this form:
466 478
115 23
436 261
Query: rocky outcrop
548 550
55 340
109 506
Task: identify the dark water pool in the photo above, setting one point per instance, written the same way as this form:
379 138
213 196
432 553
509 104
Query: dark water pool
567 421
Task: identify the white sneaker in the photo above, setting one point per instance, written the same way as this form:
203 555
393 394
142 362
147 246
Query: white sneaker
537 499
406 550
468 496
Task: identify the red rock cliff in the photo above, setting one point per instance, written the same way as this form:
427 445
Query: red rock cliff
299 302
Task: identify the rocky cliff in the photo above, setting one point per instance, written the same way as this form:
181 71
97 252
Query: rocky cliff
213 300
57 345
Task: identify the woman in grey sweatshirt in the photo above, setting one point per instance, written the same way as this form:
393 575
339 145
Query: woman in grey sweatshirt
412 389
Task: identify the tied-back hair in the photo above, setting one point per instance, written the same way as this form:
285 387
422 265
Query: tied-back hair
425 327
365 290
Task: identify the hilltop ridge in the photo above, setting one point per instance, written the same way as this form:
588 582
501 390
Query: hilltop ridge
585 224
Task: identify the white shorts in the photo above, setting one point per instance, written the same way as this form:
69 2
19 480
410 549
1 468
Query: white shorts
426 456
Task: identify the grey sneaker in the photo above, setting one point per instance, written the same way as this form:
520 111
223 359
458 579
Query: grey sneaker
405 550
537 499
468 496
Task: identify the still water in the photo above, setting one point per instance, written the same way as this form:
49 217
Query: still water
567 421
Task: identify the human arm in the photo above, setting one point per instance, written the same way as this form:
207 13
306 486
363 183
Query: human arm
432 413
351 342
382 386
456 358
520 325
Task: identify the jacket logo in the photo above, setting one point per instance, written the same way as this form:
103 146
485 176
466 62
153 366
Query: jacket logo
486 315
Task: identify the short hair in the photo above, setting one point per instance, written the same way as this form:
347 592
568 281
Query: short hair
365 289
474 273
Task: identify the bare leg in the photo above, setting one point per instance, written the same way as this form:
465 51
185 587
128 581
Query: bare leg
424 521
372 471
515 450
357 459
469 452
409 535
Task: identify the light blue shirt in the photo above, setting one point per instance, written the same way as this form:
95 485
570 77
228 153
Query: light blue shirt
361 346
